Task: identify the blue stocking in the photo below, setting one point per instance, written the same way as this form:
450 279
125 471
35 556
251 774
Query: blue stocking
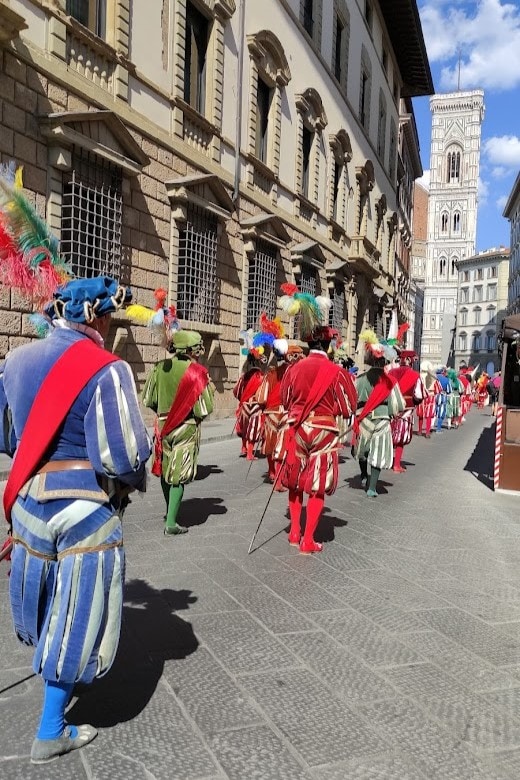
55 698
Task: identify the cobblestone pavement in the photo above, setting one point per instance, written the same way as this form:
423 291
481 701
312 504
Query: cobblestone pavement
393 654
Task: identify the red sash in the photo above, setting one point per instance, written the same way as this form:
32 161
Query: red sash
406 379
323 381
60 388
193 382
252 386
380 392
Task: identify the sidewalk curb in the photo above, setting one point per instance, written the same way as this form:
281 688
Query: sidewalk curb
4 473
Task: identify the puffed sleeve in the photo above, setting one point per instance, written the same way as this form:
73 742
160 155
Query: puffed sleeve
118 444
346 395
396 402
204 404
150 397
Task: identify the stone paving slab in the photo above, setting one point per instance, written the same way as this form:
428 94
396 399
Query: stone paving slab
393 654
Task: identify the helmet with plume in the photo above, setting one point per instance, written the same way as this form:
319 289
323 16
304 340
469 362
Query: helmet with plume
162 320
29 253
376 349
256 345
275 328
311 312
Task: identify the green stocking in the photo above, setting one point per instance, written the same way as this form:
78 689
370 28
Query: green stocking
374 476
173 495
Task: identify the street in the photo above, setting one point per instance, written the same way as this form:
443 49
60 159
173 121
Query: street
395 653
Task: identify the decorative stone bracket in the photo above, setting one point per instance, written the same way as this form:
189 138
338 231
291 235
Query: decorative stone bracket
308 252
11 23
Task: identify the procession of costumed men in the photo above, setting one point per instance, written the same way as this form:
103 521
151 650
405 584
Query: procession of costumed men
69 414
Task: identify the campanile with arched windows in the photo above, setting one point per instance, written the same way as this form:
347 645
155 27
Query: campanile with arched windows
452 212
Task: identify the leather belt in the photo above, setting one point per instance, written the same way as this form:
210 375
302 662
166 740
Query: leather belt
64 465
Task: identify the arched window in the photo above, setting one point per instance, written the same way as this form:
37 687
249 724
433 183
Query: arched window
475 342
456 222
454 262
463 316
463 342
453 165
491 314
442 266
444 222
476 315
490 341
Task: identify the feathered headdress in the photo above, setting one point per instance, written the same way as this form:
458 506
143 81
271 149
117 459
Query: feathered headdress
275 328
162 320
311 310
377 348
29 254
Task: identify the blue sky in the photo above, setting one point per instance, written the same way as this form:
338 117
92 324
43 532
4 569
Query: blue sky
487 35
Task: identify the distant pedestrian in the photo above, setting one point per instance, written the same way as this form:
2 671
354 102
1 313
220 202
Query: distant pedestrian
494 391
250 422
441 399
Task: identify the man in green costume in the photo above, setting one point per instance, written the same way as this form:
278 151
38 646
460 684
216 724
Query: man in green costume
179 390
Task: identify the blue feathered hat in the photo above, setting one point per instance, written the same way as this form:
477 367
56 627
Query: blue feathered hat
84 300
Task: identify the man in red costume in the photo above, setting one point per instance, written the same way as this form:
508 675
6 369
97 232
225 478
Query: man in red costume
315 393
269 397
249 425
413 390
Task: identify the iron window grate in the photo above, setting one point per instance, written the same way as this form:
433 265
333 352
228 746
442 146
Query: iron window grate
197 271
91 217
337 309
261 284
307 283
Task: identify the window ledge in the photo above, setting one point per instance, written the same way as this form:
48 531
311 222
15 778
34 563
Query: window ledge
202 327
304 201
196 116
97 44
262 168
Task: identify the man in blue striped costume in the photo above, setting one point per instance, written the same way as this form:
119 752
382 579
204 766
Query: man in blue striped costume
66 585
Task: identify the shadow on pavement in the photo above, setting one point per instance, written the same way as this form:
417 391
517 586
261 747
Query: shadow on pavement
203 472
481 460
195 511
151 634
326 526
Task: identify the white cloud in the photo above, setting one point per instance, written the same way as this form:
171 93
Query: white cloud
503 151
486 33
499 172
501 202
424 180
483 191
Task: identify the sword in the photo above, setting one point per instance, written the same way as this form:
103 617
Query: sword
268 502
6 550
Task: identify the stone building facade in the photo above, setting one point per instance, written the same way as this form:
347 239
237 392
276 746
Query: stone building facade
452 212
216 148
481 307
512 213
418 267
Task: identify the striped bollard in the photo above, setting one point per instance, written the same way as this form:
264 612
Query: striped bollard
498 443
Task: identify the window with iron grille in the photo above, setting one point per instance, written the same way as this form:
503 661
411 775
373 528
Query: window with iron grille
337 309
261 284
91 216
307 281
197 270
